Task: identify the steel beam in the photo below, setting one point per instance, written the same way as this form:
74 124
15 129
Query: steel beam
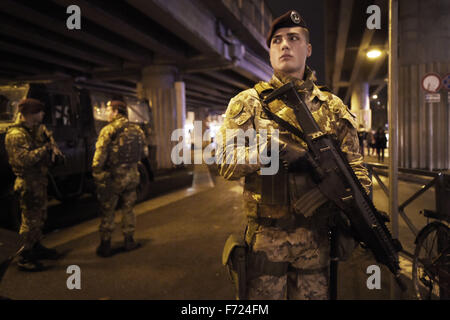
118 25
39 55
227 79
345 14
91 38
27 33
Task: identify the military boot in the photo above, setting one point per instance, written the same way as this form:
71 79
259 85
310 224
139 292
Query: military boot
28 262
130 244
104 249
44 253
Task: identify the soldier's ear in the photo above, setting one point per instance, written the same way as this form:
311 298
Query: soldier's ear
309 50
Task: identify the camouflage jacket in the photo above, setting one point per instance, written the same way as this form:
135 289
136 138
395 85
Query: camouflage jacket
28 152
245 112
106 158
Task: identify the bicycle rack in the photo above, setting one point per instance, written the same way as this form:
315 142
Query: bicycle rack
440 181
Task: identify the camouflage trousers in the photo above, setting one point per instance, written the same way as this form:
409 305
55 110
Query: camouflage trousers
119 195
304 254
32 192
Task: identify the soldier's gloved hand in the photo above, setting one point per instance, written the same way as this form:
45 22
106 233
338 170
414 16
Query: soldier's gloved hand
100 177
58 158
290 151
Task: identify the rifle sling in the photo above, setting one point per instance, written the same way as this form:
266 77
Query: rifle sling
283 123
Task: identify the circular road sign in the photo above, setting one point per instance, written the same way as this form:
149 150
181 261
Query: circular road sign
431 82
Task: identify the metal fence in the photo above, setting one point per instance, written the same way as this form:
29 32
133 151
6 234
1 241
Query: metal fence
440 181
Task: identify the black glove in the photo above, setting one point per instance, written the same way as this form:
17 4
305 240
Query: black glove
291 152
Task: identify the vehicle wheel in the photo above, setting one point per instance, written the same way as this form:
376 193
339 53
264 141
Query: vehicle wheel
143 189
431 264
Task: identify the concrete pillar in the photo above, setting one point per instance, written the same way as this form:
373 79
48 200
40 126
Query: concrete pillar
360 104
167 100
201 114
424 43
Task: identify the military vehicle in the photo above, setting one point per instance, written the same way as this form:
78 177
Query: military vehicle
75 113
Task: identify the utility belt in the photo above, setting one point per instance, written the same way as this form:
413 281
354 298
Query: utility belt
288 223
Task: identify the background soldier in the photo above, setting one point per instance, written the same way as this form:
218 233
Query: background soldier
30 147
120 146
288 216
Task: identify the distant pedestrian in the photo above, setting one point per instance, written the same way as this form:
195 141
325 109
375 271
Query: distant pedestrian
380 144
371 142
362 135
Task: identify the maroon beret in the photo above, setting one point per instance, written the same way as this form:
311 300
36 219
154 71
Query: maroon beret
117 104
30 105
288 20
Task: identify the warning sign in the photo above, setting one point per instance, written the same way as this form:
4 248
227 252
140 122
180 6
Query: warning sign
431 82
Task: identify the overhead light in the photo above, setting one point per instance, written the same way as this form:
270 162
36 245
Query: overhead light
374 97
373 54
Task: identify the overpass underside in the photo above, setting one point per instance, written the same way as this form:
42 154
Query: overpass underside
180 55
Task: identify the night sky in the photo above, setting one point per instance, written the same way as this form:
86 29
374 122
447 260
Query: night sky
313 12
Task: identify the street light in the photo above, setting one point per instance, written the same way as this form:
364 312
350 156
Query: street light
373 53
375 97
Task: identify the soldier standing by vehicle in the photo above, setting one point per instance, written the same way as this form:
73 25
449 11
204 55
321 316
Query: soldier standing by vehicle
120 146
31 147
288 216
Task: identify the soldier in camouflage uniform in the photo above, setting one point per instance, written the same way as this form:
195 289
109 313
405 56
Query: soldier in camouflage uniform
30 147
289 249
120 146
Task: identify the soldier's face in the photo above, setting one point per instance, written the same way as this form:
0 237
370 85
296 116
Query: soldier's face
35 118
111 113
289 50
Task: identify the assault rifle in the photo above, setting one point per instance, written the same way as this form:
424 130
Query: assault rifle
337 181
58 158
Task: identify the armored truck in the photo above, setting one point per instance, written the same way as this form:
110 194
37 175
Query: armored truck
75 113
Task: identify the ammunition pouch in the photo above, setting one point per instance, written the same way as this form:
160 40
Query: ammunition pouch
274 189
234 257
259 265
129 144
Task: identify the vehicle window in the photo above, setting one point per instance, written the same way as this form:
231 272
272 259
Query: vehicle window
9 99
99 101
61 110
138 111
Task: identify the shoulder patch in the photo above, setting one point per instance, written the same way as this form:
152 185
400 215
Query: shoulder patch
234 109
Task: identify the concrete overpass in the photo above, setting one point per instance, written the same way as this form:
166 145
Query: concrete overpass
182 55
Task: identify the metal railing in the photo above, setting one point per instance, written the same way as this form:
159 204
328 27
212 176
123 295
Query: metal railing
436 180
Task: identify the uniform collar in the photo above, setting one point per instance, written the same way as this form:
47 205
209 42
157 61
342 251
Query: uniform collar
306 85
23 124
119 117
